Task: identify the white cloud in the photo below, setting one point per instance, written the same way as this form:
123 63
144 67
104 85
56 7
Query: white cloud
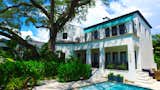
95 14
41 35
24 34
148 8
157 27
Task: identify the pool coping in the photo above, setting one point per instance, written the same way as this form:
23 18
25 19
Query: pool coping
76 88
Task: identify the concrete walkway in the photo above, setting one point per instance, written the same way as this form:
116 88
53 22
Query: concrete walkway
95 78
55 85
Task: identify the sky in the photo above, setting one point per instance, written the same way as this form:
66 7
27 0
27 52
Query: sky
150 9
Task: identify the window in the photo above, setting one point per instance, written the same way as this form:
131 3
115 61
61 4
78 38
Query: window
95 35
139 26
146 32
115 57
122 29
64 35
114 31
95 60
108 59
85 37
107 32
134 27
123 57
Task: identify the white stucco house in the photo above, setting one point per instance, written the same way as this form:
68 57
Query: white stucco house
121 45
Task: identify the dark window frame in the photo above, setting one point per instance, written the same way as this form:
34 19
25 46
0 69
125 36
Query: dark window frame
65 35
114 31
115 57
107 32
95 35
123 57
85 36
122 29
95 60
134 26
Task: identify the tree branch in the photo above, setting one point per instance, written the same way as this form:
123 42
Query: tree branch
70 11
14 6
8 30
6 35
34 3
41 26
83 3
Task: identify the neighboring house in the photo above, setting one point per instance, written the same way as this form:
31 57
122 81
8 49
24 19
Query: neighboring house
2 43
36 43
123 43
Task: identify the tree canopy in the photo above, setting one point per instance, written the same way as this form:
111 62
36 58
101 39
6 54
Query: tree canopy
156 46
49 14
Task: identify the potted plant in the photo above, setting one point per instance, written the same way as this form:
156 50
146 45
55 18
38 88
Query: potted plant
111 77
119 78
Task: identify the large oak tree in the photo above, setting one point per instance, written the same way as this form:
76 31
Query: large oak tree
49 14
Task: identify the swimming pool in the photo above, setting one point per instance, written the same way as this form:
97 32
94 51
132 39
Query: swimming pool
112 86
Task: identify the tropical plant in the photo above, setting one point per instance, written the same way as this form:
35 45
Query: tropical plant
111 66
156 46
122 67
15 84
117 78
110 77
28 71
73 71
50 68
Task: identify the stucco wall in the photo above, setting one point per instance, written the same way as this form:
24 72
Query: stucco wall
145 45
73 32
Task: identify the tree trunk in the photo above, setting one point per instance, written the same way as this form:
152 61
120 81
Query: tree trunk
52 40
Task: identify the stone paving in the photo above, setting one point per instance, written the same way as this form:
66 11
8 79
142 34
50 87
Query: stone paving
55 85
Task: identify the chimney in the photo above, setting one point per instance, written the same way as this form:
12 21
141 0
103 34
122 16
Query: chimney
106 18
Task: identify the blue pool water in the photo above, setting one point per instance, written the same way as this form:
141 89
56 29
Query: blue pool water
111 86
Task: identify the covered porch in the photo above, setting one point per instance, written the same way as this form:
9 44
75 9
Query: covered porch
116 57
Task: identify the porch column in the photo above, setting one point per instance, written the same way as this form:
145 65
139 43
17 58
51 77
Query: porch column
88 56
139 62
101 58
131 61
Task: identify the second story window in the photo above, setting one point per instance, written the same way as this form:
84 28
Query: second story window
114 31
134 27
85 37
64 35
107 32
95 35
122 29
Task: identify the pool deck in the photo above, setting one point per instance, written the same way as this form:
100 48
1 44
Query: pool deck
55 85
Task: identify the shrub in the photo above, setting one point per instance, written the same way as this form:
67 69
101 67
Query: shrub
111 66
18 69
50 68
111 77
33 70
15 84
117 78
73 70
7 71
122 67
